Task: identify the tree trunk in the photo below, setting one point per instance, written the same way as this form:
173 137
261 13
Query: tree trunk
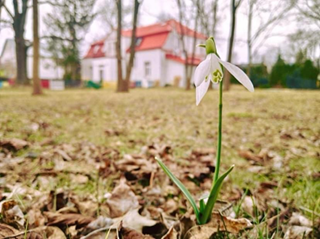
1 4
36 81
189 74
249 43
184 50
19 19
21 71
215 17
132 47
118 47
234 7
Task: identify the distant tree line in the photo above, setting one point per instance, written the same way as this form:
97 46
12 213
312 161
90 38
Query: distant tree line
302 74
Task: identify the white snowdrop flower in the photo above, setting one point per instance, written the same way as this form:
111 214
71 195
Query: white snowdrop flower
210 70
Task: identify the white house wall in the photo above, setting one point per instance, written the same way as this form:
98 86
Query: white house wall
47 66
174 70
173 45
108 66
8 52
48 70
152 56
199 51
86 69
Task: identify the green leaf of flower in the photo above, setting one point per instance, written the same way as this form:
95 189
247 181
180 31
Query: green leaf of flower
179 184
213 197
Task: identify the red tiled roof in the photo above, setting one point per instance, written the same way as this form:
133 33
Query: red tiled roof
196 60
186 30
152 37
148 30
96 50
152 42
164 27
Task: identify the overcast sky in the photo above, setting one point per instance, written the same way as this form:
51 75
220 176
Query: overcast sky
149 11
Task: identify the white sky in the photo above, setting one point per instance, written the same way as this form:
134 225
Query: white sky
151 8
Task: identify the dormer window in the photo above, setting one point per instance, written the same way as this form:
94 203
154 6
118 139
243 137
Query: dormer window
138 41
96 49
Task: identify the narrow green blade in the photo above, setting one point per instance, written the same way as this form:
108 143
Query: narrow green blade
180 186
206 213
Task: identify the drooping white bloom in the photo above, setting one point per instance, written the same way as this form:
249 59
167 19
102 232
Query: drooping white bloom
210 70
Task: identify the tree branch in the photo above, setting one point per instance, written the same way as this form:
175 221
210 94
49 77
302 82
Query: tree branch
238 4
57 38
5 21
7 10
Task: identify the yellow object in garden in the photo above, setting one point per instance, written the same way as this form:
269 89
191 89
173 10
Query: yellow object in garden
5 84
109 84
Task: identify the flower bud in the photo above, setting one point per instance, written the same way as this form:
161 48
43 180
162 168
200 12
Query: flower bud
211 46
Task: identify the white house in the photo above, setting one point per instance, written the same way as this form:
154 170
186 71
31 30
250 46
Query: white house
48 69
159 59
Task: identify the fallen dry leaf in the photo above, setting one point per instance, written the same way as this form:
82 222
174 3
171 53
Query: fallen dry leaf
299 220
127 233
122 200
218 223
54 233
66 220
35 218
298 232
6 230
249 156
171 234
13 144
134 220
12 214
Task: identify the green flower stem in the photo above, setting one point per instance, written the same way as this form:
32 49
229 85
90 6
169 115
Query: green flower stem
217 181
217 166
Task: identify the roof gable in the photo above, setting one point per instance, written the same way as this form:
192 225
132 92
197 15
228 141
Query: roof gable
96 50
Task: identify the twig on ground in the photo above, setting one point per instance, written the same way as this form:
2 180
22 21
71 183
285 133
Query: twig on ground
96 231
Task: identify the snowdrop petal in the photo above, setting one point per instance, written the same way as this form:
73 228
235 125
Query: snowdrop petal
238 74
202 71
201 90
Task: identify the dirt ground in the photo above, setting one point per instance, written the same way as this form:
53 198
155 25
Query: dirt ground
73 164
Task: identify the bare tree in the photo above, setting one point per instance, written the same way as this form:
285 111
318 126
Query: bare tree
118 46
1 4
208 16
310 9
191 64
208 10
108 15
270 14
234 7
182 10
132 46
123 84
188 66
307 36
18 20
36 80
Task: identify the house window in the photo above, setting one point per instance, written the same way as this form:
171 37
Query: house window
96 49
90 72
147 69
110 48
47 66
101 71
138 41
